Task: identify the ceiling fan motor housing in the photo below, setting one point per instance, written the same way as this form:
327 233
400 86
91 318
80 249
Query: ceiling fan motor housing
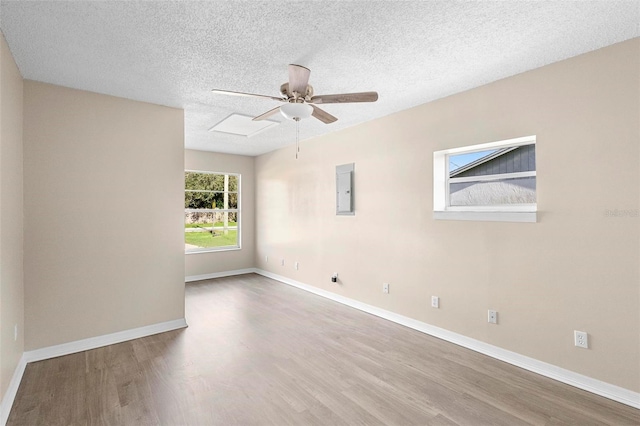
284 90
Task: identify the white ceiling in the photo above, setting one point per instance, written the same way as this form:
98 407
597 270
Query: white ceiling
411 52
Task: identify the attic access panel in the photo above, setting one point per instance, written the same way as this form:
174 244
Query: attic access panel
242 125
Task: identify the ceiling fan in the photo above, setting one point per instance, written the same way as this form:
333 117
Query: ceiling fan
299 100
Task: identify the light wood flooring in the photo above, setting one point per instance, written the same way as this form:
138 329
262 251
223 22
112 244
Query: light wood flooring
258 352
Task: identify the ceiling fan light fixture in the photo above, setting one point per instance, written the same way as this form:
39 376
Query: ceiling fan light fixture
296 111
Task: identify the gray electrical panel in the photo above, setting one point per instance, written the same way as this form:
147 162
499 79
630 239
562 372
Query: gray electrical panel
344 189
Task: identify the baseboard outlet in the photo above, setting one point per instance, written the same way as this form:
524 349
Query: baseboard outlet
12 390
222 274
104 340
551 371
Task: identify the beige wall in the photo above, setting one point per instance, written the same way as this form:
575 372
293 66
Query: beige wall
103 186
575 269
212 262
11 221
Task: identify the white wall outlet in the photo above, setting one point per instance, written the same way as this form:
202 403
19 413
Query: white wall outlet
385 288
581 339
296 265
435 302
15 332
282 262
493 317
266 259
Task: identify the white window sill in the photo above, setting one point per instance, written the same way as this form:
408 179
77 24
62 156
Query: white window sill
487 216
212 250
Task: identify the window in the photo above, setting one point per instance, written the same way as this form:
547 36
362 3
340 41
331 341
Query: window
494 181
211 211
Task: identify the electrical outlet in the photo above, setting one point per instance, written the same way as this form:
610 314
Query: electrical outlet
15 332
493 317
385 288
282 262
296 265
266 259
435 302
581 339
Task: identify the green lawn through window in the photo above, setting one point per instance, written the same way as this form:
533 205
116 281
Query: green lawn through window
207 225
206 239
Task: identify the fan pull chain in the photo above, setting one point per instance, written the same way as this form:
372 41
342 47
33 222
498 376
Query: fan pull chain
297 136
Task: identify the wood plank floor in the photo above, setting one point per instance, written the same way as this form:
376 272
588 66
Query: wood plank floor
258 352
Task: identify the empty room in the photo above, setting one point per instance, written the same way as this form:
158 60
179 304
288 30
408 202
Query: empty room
320 212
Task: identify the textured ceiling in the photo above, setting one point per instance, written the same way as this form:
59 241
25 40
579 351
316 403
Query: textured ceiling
174 53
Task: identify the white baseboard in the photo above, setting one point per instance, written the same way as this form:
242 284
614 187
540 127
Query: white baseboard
12 390
580 381
78 346
219 274
104 340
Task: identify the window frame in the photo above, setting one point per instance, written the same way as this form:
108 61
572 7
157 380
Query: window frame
237 210
442 208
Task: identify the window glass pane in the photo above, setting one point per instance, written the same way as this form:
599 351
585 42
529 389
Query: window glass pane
493 162
233 183
496 192
204 230
202 200
206 181
230 217
233 217
233 201
210 200
196 221
462 160
218 200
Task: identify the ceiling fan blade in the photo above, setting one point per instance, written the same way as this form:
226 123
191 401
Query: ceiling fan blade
344 98
298 79
229 92
267 114
323 115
